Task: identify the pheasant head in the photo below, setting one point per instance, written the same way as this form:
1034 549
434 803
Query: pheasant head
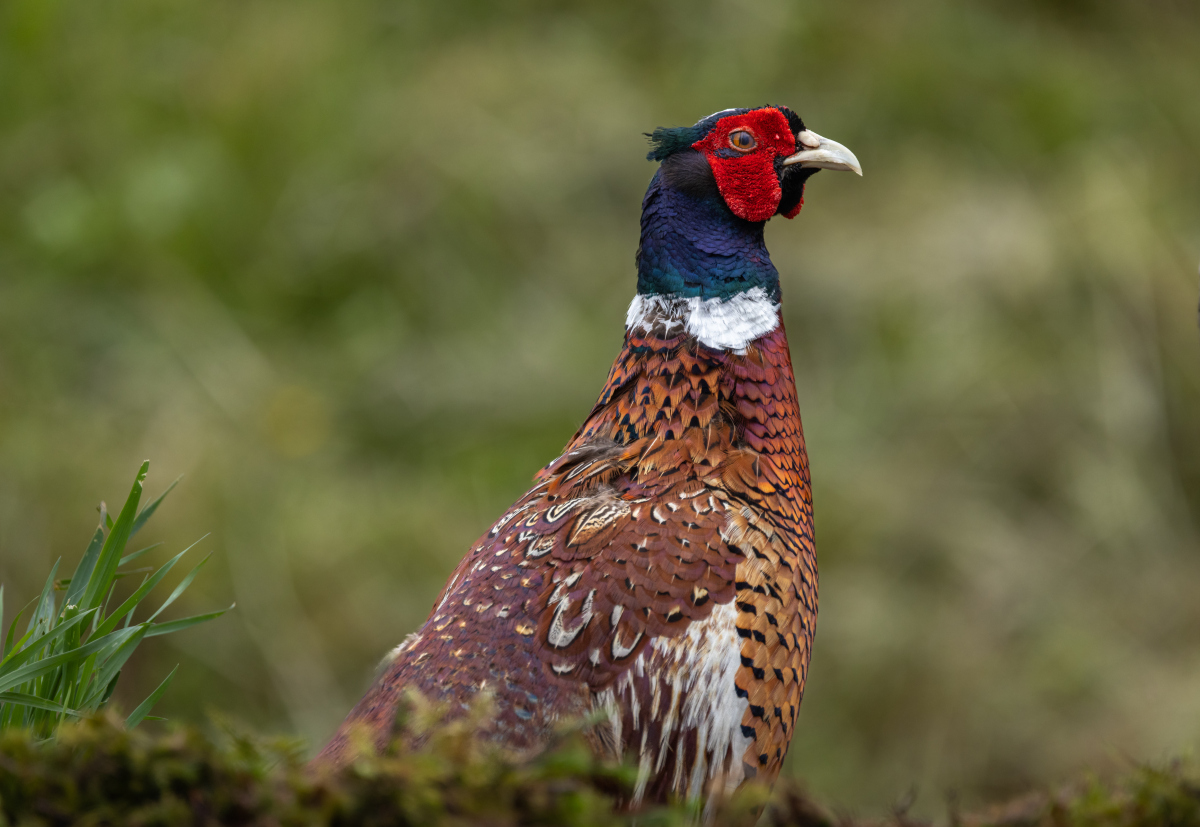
758 159
718 183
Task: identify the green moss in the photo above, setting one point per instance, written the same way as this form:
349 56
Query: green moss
98 772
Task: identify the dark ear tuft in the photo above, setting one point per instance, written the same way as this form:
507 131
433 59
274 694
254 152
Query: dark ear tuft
666 141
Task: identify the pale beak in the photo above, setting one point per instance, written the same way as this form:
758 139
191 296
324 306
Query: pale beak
821 153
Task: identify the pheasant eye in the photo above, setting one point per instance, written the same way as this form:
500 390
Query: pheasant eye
742 141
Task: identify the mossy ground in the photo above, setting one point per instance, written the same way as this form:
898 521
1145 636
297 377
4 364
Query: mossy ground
96 772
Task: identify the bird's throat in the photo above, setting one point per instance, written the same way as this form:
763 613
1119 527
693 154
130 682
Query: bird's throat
692 246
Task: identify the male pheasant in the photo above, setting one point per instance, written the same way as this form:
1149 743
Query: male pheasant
661 572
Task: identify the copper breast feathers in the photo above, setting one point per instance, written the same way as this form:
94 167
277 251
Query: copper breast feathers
661 570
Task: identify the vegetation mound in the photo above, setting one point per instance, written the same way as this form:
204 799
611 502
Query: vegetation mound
97 772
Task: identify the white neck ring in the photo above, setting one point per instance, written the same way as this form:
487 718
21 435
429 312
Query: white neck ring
722 324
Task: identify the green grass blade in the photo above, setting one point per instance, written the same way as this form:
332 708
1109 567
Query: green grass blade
102 685
183 584
45 605
87 563
121 575
8 640
18 656
133 555
148 512
34 702
183 623
109 690
84 672
134 599
143 709
47 665
110 555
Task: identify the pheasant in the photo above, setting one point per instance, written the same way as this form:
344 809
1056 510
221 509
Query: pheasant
661 575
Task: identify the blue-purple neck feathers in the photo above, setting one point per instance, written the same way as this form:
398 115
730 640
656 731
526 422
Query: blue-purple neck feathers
692 245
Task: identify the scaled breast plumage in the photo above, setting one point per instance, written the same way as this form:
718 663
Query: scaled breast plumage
661 569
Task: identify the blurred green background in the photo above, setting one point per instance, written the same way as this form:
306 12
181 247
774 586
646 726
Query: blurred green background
357 268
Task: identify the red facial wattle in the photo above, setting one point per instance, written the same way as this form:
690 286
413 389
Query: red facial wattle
747 180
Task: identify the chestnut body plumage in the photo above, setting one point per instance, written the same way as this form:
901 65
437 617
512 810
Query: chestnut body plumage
662 570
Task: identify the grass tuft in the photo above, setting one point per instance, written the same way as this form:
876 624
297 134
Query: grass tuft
69 659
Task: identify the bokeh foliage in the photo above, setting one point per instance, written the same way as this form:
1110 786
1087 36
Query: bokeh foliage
358 268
